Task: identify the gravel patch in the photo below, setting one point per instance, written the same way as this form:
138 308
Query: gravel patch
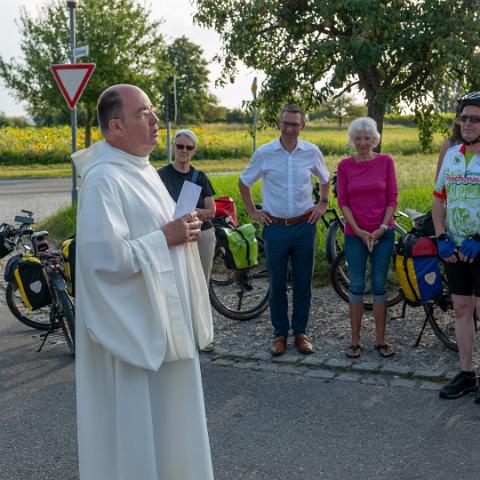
329 330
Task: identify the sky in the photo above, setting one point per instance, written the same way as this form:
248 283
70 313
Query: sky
178 21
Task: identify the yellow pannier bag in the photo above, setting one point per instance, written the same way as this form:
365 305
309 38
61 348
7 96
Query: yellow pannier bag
68 252
30 277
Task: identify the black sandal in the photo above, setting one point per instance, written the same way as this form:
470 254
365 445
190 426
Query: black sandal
356 351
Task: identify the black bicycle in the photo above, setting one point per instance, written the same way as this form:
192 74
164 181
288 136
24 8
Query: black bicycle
443 326
57 311
20 241
339 266
238 294
61 308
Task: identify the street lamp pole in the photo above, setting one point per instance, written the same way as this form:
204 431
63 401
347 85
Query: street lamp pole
71 4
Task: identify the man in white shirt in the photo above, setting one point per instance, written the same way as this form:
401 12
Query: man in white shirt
142 309
289 216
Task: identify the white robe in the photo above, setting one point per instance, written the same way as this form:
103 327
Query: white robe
141 312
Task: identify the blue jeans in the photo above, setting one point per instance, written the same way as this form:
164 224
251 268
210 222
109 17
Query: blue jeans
297 243
357 255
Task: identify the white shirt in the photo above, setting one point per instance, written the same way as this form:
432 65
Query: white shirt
286 176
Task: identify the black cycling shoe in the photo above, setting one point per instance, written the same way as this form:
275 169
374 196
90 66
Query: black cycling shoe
460 385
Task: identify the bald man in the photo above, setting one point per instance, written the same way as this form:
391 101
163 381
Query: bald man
142 309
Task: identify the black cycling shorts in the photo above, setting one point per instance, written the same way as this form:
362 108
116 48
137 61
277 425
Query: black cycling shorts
464 278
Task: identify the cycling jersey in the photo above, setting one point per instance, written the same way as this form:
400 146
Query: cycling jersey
459 183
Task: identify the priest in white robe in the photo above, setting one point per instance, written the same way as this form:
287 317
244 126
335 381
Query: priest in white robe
142 309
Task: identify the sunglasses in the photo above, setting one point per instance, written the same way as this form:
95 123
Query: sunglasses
180 146
472 118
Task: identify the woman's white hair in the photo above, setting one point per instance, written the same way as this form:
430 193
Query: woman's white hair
186 133
363 124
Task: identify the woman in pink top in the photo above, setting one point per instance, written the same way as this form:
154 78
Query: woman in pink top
367 196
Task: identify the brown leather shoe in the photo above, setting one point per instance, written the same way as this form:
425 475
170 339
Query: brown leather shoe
303 344
279 346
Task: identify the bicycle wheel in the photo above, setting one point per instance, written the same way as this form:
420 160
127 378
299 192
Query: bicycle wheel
66 318
39 319
334 240
341 283
220 275
239 294
443 325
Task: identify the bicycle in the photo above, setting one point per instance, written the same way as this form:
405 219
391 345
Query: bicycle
243 294
58 312
61 309
339 267
443 327
40 318
238 294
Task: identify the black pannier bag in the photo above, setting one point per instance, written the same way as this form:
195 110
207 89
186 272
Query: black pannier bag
8 274
32 283
6 245
423 225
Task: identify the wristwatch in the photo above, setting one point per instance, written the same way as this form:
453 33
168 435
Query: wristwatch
324 200
443 237
385 227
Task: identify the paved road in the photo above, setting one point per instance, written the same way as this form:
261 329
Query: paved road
263 425
42 196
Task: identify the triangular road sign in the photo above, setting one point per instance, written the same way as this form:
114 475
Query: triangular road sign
72 79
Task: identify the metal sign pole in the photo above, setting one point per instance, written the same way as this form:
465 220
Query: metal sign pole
170 105
254 116
71 5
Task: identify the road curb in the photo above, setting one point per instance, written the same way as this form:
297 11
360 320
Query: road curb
369 373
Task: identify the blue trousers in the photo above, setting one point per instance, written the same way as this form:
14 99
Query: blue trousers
297 244
357 255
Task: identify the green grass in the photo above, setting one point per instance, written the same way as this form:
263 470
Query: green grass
222 149
415 175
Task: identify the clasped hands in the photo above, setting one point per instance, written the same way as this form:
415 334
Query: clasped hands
183 229
371 239
466 252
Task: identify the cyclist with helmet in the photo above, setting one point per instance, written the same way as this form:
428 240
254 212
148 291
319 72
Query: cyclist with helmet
456 217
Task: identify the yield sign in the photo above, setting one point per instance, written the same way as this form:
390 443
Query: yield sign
72 79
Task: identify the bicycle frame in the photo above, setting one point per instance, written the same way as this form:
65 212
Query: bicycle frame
53 265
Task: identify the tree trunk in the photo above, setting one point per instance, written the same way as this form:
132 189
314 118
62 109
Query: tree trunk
376 111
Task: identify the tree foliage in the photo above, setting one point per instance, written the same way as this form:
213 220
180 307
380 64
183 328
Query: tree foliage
339 108
191 72
124 43
392 50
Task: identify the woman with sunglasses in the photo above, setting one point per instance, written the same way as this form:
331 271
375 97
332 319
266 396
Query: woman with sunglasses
173 176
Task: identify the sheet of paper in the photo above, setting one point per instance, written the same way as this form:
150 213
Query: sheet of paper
188 199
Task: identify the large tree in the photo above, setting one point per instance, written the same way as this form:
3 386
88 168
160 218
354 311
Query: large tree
392 50
124 43
190 69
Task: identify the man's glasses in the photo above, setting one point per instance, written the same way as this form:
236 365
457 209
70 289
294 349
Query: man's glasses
472 118
144 113
290 124
180 146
